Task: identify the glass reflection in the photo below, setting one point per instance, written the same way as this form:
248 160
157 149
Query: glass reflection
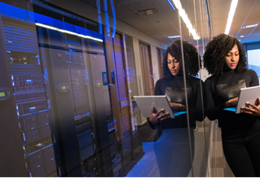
68 81
172 85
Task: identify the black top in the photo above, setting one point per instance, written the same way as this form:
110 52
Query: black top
174 90
219 89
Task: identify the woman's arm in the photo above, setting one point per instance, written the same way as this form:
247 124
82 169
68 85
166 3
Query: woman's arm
154 120
254 78
197 111
213 112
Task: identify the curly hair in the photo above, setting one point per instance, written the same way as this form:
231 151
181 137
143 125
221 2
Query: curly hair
191 57
217 49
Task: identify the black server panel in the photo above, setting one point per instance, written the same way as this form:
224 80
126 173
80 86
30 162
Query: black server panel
68 88
31 101
79 91
82 115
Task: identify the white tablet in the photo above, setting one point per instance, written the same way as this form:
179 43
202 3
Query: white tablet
145 104
249 94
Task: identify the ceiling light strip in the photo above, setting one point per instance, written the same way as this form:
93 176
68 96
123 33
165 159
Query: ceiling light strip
186 19
68 32
231 14
250 26
176 36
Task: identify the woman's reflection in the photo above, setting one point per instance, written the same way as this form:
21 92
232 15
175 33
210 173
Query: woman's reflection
172 149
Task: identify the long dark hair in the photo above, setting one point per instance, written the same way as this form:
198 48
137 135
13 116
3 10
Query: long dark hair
191 57
217 49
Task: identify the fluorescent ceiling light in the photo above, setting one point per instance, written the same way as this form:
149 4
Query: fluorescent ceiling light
186 19
68 32
250 26
231 14
176 36
241 36
171 4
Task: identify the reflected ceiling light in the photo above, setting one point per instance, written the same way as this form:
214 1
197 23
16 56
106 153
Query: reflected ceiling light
250 26
231 14
176 36
241 36
68 32
186 19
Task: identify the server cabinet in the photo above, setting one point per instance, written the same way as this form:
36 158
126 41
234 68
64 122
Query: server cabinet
29 111
70 101
68 80
121 105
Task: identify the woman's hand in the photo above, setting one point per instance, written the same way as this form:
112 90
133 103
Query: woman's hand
156 116
177 106
232 102
254 110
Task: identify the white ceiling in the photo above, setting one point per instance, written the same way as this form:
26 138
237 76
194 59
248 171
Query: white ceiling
166 22
162 24
247 13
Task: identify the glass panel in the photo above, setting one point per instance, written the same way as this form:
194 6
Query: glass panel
27 98
194 32
70 71
200 24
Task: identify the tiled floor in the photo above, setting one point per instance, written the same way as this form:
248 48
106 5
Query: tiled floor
169 156
219 166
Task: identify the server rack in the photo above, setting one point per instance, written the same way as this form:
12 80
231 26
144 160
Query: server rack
66 59
129 142
108 146
78 132
30 99
69 91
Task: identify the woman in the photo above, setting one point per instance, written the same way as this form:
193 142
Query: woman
175 142
225 59
172 85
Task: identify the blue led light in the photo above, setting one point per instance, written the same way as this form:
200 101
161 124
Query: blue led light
28 82
13 11
34 107
24 138
24 144
40 145
45 75
114 18
111 129
39 150
100 25
21 14
169 1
